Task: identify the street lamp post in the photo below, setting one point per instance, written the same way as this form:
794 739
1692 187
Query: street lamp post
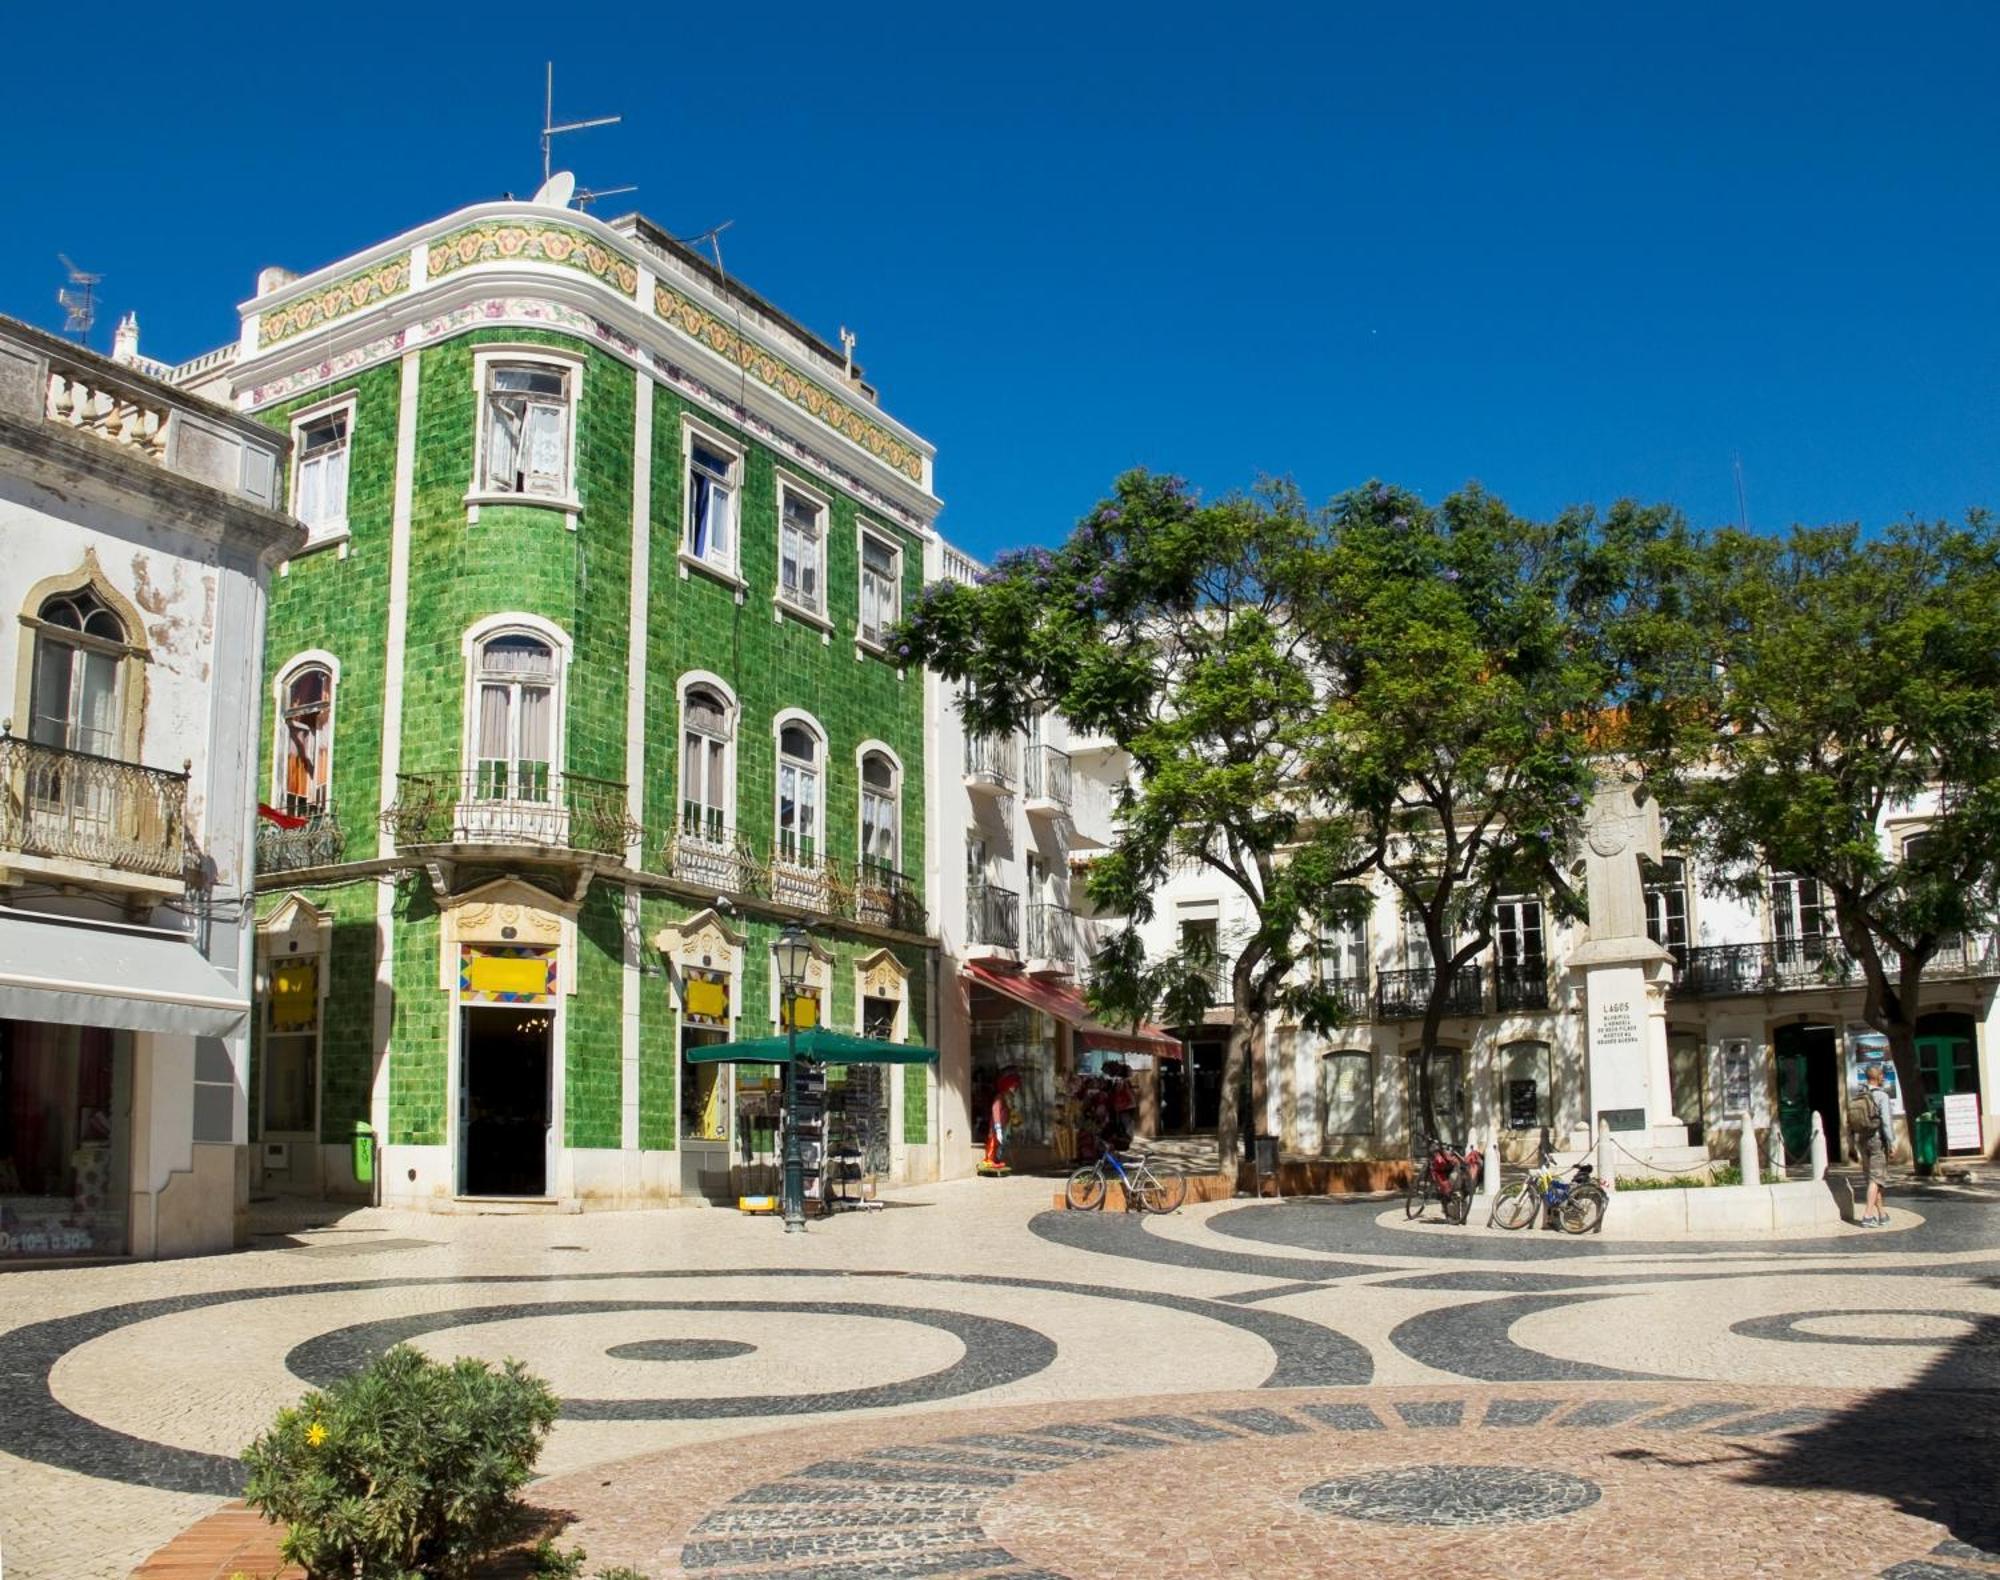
794 954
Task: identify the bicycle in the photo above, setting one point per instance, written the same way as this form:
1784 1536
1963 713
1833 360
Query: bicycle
1447 1176
1575 1204
1148 1191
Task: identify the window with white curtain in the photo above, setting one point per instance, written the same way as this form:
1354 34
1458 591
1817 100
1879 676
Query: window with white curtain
799 758
881 588
79 646
880 812
706 730
801 549
714 473
514 719
319 491
527 430
1347 1093
305 745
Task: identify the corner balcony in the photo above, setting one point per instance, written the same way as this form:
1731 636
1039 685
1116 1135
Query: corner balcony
726 863
992 764
992 922
1047 784
511 808
1052 940
76 818
1404 995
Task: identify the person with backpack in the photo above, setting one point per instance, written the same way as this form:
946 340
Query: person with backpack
1871 1133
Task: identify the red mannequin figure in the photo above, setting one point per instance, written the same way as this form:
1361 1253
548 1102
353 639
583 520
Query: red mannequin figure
1001 1115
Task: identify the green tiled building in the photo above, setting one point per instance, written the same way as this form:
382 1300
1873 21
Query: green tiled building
579 694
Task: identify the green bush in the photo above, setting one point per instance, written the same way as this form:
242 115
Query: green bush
404 1471
1721 1174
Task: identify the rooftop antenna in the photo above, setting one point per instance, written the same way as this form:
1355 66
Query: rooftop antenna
1742 500
551 130
79 305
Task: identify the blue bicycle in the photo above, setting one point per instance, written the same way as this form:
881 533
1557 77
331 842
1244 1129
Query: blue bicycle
1574 1204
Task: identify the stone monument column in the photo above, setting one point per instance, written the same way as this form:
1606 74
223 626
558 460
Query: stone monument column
1625 975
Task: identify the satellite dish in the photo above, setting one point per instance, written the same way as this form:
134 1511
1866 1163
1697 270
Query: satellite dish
556 191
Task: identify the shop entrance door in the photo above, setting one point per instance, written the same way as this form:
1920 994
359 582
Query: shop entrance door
707 1100
1205 1058
505 1109
1947 1058
1808 1070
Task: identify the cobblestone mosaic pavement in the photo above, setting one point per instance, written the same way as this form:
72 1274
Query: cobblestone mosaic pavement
967 1383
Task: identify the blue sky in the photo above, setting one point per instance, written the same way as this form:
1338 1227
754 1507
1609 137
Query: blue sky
1574 251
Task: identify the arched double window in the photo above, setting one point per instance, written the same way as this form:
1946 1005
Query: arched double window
515 682
801 798
80 643
305 739
881 811
707 729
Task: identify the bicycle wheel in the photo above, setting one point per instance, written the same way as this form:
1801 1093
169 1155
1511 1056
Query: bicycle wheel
1516 1207
1458 1205
1584 1210
1416 1196
1160 1192
1085 1190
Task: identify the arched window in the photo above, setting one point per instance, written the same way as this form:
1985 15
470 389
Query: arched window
799 797
514 716
706 731
881 812
305 741
78 647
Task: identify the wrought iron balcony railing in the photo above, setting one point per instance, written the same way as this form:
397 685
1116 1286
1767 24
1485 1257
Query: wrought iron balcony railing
1048 777
1052 934
807 878
704 850
1404 995
525 804
317 844
1800 965
72 806
1524 985
885 897
992 916
1351 994
993 761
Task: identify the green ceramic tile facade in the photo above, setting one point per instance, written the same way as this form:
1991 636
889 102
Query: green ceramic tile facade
527 559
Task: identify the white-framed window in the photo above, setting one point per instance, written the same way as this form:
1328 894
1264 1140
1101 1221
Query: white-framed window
1517 935
526 447
305 738
1416 943
1343 951
321 439
801 799
881 811
516 715
708 732
881 588
1798 924
1667 905
714 469
1347 1092
802 518
80 648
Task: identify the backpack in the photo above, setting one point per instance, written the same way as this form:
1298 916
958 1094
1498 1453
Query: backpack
1863 1122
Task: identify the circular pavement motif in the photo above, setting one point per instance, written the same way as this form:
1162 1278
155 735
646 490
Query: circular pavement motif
1453 1495
1891 1325
680 1350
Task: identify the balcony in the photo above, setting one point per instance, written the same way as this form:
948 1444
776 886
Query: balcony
525 806
1351 994
1521 986
992 919
317 844
1745 970
1404 995
884 897
1047 786
992 764
1052 939
801 876
68 814
706 852
724 861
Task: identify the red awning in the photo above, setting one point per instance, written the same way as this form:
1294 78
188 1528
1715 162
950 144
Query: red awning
1067 1005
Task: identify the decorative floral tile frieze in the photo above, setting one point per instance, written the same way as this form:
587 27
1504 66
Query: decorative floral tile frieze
388 278
698 323
495 240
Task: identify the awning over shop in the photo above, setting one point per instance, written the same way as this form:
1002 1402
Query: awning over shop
1067 1005
76 973
817 1044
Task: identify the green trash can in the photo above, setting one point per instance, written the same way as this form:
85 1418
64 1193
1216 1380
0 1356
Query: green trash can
362 1154
1924 1142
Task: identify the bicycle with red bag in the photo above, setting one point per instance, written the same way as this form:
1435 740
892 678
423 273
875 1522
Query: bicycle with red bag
1447 1175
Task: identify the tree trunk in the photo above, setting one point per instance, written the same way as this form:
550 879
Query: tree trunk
1892 1011
1247 1010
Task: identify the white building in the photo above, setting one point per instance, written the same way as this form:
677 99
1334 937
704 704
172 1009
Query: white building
137 528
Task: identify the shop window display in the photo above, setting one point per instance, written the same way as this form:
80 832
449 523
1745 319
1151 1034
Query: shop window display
65 1161
1102 1103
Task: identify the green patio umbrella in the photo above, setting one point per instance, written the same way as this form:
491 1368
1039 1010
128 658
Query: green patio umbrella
817 1044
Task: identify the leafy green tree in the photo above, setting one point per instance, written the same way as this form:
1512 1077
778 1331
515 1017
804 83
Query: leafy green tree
1175 628
1837 682
1465 669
